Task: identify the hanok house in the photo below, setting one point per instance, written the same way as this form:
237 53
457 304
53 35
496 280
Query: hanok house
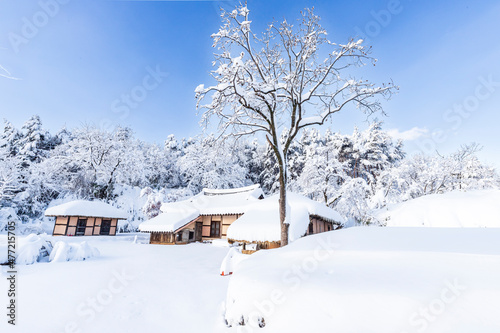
260 227
85 218
204 217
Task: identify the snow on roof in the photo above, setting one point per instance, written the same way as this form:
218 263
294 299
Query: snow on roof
261 221
480 208
169 222
219 202
209 202
251 188
87 209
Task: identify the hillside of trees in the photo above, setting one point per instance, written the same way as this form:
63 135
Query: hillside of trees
353 173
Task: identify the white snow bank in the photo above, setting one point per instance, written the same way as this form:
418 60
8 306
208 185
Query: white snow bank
86 208
38 248
232 259
370 279
261 221
220 242
72 252
479 208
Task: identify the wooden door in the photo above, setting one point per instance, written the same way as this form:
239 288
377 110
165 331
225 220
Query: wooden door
105 227
80 227
198 231
215 229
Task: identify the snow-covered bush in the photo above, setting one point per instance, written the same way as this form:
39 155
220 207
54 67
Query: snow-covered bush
38 248
32 249
7 214
129 199
155 198
212 164
72 252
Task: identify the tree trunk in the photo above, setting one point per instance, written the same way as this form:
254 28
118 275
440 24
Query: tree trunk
282 204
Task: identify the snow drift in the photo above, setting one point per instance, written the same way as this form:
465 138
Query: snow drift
480 208
38 248
232 259
371 279
72 252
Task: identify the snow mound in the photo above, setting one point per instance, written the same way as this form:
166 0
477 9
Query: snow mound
72 252
32 249
38 248
261 221
86 208
220 242
232 259
371 279
480 208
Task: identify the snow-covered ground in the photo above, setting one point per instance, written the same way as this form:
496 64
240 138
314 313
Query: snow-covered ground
128 288
365 279
372 280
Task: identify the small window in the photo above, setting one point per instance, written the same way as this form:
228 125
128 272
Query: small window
311 228
80 227
191 235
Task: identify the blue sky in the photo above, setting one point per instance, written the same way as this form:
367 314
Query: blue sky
75 65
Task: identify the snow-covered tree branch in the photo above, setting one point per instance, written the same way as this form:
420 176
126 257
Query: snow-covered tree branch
278 83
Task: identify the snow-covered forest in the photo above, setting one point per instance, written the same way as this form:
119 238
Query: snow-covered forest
353 173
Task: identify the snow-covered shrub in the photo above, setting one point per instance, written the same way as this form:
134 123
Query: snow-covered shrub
129 199
155 198
33 249
36 227
212 164
7 214
354 199
72 252
38 248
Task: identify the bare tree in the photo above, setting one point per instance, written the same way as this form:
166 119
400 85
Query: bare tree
277 84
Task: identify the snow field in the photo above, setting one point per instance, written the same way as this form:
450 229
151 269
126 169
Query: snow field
365 279
130 287
355 280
